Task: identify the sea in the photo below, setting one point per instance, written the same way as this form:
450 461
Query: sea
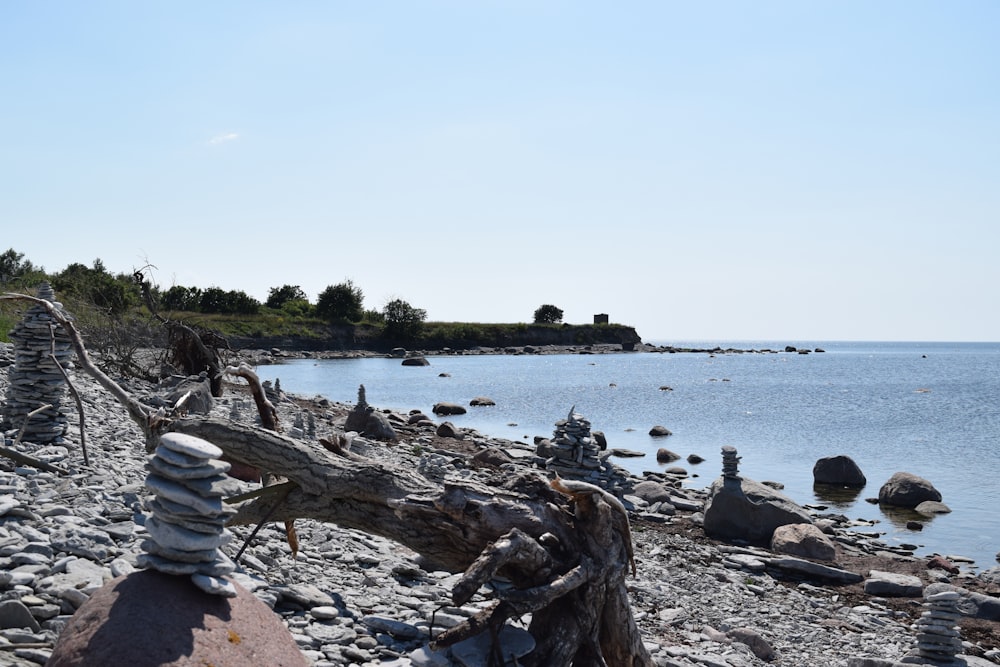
931 409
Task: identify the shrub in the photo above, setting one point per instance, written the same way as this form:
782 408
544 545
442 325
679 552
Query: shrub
340 302
548 314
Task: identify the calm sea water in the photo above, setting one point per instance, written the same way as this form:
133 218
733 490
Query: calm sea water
932 409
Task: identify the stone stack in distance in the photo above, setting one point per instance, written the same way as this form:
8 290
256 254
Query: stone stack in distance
35 380
186 528
575 452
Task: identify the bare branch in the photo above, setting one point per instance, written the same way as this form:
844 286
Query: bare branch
27 418
24 459
268 414
79 407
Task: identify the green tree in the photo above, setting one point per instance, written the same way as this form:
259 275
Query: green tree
241 303
403 322
341 302
13 265
279 296
212 301
548 314
96 286
216 300
179 297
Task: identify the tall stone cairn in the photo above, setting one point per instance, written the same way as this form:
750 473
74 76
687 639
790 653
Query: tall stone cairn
730 463
187 525
34 379
938 637
575 452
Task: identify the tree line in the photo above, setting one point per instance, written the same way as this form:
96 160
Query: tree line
116 294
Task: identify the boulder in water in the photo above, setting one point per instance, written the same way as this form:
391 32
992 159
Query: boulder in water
840 470
907 490
445 408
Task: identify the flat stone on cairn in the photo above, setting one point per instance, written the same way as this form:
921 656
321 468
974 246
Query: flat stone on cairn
35 379
188 522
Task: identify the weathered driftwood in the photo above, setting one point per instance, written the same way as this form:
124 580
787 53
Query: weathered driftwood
568 568
194 352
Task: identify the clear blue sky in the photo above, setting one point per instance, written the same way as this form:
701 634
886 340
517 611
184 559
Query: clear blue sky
700 170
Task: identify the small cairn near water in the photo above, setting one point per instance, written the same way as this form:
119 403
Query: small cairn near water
187 525
35 378
573 451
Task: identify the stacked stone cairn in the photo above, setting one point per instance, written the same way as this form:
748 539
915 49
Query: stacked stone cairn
938 638
303 426
574 451
35 379
186 528
357 418
730 463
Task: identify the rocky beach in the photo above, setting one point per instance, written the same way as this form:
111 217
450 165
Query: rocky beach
347 597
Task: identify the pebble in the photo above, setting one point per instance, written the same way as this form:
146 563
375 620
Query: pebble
350 598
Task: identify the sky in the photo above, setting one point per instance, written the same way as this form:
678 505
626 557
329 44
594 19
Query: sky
713 170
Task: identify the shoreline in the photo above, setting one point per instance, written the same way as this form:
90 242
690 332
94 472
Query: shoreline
344 588
856 552
599 348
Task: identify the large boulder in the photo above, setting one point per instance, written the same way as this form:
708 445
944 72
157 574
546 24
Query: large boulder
446 408
652 492
893 584
151 618
377 426
664 455
803 539
907 490
448 430
743 509
840 470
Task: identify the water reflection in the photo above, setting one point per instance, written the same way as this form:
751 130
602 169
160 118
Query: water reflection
903 517
841 497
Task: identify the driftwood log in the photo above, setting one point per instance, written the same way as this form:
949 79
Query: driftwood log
564 546
566 554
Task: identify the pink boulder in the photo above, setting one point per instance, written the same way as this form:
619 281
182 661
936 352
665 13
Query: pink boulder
149 619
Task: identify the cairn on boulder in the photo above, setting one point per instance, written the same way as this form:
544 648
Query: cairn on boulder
186 528
730 463
35 378
739 508
358 416
364 419
573 451
181 609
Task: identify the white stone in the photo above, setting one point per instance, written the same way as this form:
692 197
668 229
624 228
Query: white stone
183 443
